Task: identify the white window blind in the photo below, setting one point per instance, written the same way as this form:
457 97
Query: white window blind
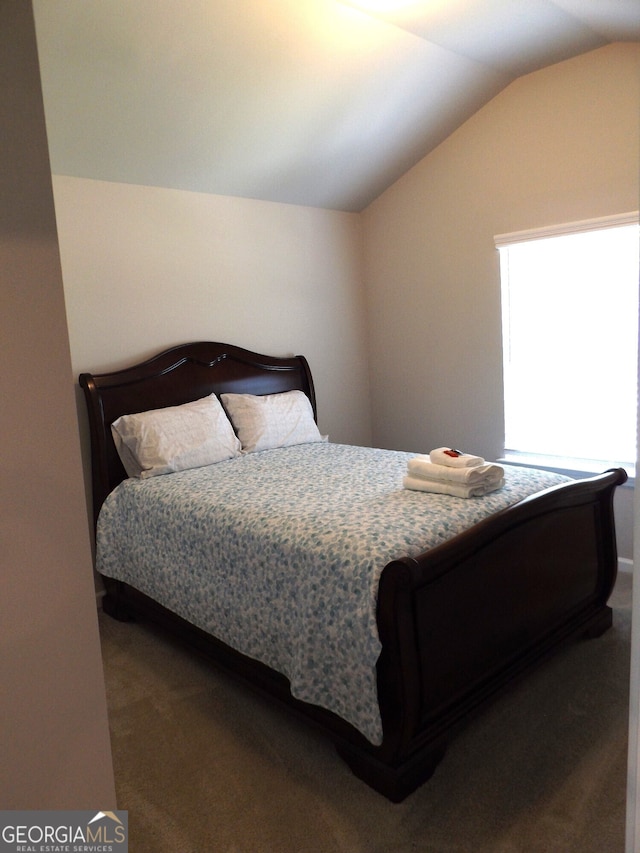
570 340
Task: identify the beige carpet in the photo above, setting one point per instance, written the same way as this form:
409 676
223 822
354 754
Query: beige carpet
204 765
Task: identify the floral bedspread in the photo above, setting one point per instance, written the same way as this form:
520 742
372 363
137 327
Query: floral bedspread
279 554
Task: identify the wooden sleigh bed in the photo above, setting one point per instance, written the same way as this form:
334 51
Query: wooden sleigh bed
456 623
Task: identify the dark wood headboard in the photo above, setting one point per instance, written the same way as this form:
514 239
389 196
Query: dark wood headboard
178 375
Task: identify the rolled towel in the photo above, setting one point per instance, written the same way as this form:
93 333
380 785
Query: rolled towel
454 458
421 466
457 490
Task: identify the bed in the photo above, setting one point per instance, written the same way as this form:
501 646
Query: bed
385 636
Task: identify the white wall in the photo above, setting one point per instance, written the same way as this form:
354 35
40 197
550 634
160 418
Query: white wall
54 734
556 146
145 268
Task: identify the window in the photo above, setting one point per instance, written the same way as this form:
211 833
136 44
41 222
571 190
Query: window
570 341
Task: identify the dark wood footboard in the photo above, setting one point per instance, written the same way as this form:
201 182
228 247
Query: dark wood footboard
467 618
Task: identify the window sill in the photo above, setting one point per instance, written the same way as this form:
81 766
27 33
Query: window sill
567 465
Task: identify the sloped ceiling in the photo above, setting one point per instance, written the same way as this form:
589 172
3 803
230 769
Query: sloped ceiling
311 102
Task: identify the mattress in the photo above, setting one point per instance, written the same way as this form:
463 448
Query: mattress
279 554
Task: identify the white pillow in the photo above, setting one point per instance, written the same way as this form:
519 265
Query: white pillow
272 420
161 441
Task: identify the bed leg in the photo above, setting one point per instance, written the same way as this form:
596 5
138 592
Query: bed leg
394 783
113 607
600 623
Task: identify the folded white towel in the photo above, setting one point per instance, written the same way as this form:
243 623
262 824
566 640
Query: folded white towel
421 466
457 490
454 458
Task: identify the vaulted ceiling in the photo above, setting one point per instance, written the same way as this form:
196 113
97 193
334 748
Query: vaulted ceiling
313 102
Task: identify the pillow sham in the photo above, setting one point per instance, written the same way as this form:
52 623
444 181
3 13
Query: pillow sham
272 420
161 441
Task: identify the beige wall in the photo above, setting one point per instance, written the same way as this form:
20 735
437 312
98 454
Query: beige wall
55 740
558 145
145 268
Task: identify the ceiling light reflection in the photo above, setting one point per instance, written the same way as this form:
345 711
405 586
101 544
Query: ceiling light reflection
382 7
